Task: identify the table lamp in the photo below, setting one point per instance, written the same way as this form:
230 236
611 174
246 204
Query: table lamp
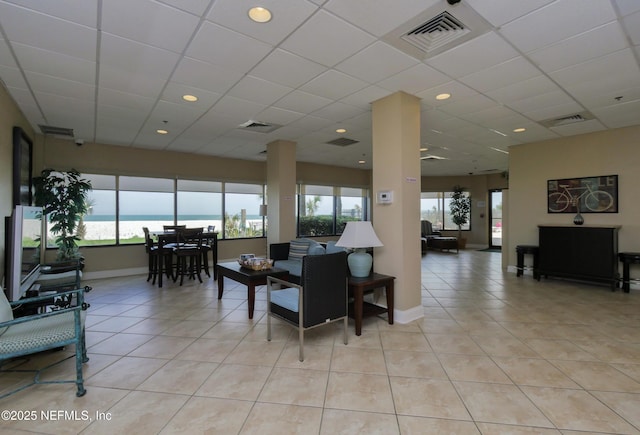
359 235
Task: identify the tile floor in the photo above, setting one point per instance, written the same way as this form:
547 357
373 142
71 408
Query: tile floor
494 354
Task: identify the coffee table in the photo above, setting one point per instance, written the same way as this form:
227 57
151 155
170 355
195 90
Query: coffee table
249 277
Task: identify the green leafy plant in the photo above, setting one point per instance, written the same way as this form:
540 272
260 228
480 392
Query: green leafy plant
459 208
63 196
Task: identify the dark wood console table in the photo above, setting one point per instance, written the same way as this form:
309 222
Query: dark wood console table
359 286
588 253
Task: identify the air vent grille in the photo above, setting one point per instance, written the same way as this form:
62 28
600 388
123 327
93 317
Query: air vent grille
438 31
568 119
259 126
342 142
56 131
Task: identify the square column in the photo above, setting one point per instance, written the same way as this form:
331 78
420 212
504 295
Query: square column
281 191
396 169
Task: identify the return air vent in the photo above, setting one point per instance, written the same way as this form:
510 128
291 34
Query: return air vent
568 119
61 132
436 30
258 126
342 142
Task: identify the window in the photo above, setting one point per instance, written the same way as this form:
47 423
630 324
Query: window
434 207
324 210
242 210
143 202
98 226
200 204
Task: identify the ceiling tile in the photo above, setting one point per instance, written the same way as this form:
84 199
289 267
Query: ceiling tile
472 56
541 102
524 89
174 92
77 11
579 128
287 69
620 115
47 32
376 62
258 90
627 7
327 39
196 7
64 88
124 100
504 74
632 24
226 54
500 12
239 109
202 75
378 16
550 111
338 111
364 97
287 15
302 102
55 64
414 79
588 45
149 22
470 104
333 85
560 19
275 115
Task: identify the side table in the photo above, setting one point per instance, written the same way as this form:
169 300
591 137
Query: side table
359 286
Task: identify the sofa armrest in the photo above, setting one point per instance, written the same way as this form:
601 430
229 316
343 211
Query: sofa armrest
279 251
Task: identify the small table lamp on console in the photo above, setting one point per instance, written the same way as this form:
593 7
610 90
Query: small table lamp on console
359 235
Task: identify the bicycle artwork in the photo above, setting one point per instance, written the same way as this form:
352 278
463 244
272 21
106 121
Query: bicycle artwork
584 195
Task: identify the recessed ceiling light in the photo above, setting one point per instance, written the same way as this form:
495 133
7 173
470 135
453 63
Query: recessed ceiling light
444 96
361 162
519 130
260 15
424 149
161 131
341 130
190 98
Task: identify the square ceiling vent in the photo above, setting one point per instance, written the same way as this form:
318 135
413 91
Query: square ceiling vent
259 126
437 30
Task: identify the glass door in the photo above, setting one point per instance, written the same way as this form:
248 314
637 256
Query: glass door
495 218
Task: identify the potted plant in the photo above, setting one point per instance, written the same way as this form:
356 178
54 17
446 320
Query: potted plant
63 197
460 210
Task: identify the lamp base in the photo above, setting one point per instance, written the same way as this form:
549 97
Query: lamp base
360 263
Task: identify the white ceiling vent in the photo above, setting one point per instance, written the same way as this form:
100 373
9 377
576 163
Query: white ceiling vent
61 132
568 119
436 30
258 126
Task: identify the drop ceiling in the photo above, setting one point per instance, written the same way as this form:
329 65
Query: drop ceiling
115 72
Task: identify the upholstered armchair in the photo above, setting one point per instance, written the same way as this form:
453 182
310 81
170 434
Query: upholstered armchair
30 334
426 232
319 299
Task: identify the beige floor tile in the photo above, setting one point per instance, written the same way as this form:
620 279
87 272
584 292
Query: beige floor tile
593 375
151 326
503 346
627 405
558 349
427 398
162 347
315 357
359 392
208 415
189 328
179 377
139 409
411 341
341 422
269 418
497 403
228 331
502 429
295 387
115 324
346 359
534 372
235 381
127 372
207 349
577 410
256 352
474 368
435 426
120 344
454 343
414 364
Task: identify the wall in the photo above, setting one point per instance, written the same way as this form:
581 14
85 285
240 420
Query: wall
613 152
10 116
478 186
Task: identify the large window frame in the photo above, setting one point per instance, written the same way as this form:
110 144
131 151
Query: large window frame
434 207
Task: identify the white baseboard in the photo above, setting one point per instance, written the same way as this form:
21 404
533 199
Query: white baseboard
407 316
114 273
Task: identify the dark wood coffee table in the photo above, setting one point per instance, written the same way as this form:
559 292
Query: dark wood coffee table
250 278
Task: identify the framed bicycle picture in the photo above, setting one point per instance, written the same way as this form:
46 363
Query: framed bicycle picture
22 167
584 195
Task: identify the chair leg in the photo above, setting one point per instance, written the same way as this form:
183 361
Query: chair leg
268 326
301 339
81 357
346 329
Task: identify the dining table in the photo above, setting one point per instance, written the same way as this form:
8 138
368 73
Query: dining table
165 237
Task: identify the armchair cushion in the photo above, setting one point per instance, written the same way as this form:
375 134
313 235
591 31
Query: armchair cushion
297 249
332 248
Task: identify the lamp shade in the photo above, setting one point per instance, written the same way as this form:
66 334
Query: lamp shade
359 235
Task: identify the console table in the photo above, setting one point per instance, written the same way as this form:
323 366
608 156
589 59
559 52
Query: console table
359 286
588 253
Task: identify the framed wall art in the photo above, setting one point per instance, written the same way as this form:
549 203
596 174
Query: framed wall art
22 168
584 195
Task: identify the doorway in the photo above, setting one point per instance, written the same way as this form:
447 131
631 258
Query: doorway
495 218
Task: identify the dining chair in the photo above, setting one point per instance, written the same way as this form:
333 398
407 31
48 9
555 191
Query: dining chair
188 252
156 254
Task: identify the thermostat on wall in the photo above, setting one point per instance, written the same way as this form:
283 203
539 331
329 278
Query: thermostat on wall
385 197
